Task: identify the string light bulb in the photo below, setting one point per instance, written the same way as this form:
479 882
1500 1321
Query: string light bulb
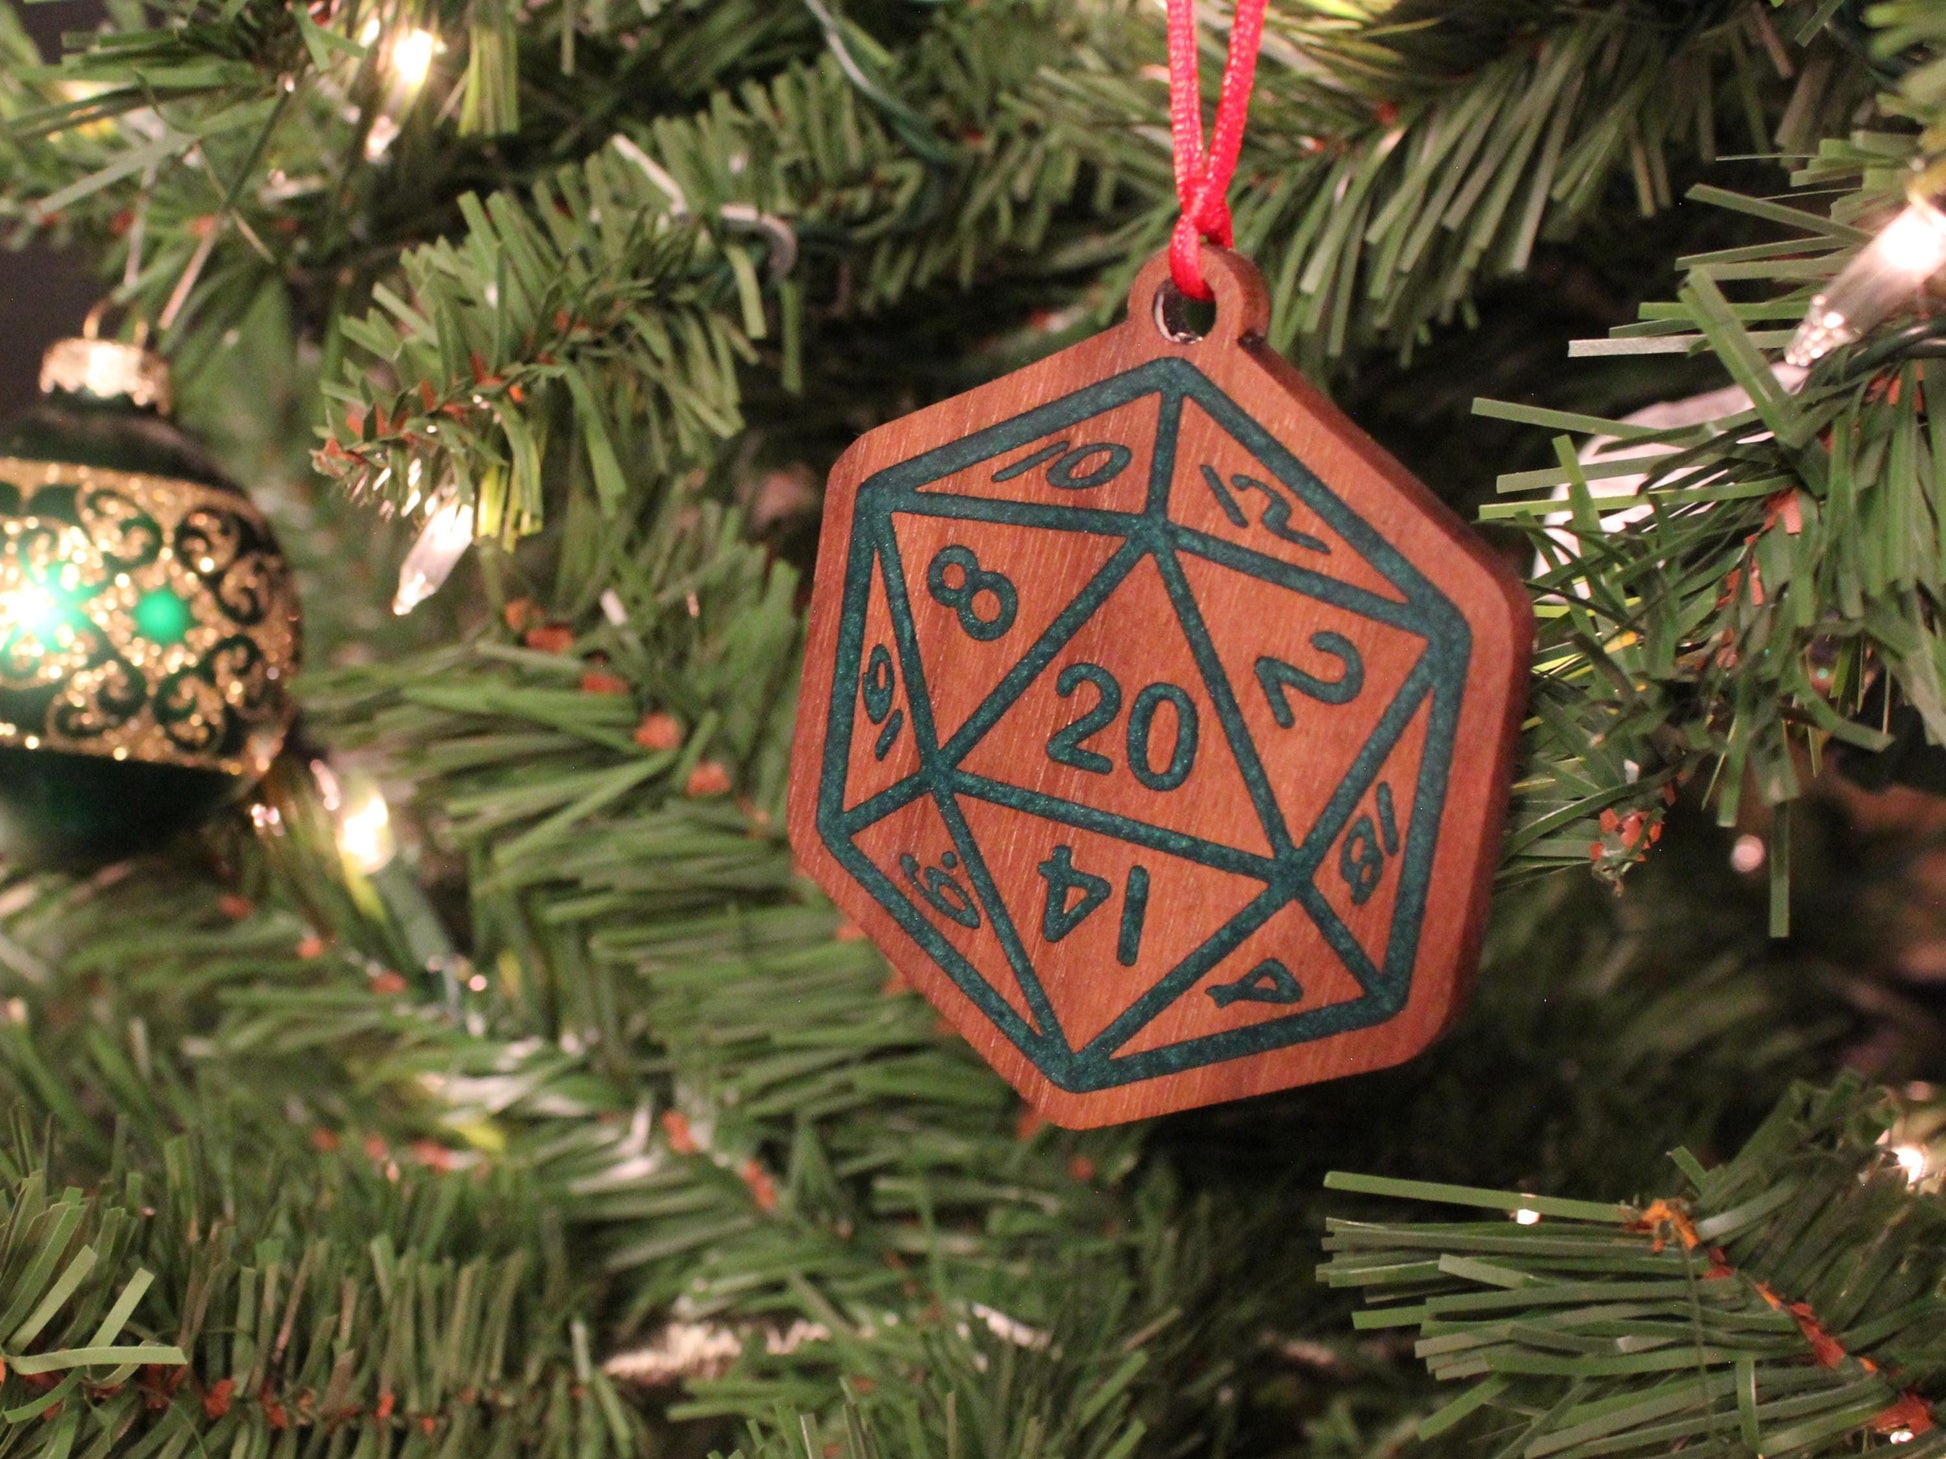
406 63
1887 272
440 545
365 830
411 57
359 816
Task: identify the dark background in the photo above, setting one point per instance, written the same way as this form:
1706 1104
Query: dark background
43 294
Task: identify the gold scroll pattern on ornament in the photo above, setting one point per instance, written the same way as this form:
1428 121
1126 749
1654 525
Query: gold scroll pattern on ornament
141 618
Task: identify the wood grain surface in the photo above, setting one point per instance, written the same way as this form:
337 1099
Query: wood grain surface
1155 723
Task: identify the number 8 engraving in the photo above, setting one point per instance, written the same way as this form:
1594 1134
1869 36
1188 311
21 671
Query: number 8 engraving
964 596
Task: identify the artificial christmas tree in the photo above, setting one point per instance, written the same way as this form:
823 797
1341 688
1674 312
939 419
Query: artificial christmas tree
495 1081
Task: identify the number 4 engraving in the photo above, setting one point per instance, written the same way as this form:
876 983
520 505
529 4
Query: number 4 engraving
1268 982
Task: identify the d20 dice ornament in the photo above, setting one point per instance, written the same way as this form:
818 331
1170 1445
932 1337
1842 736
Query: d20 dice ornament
1155 723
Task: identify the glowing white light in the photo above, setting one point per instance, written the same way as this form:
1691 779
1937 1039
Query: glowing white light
1747 854
1913 1161
407 62
378 141
1526 1217
1914 243
442 542
1900 1436
369 31
28 610
1887 272
411 57
365 830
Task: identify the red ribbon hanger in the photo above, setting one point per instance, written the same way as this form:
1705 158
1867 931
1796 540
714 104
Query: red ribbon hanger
1203 178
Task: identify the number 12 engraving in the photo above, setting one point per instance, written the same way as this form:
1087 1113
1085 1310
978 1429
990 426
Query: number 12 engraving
1277 515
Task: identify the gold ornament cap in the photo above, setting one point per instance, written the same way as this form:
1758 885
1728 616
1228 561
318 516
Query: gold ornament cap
108 369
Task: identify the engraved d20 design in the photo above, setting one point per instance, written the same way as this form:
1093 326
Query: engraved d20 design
1156 724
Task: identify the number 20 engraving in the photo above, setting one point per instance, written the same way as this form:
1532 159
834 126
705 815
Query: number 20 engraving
1067 745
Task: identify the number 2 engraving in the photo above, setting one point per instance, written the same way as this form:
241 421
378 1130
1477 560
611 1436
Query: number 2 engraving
1065 745
1277 677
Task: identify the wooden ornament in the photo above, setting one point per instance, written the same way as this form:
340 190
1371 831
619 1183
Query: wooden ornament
1155 723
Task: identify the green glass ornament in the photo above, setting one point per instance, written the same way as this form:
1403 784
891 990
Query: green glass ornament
148 622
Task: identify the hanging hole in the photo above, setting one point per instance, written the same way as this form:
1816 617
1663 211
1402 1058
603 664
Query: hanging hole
1181 318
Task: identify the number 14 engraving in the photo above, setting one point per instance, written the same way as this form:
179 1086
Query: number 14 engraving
1061 914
